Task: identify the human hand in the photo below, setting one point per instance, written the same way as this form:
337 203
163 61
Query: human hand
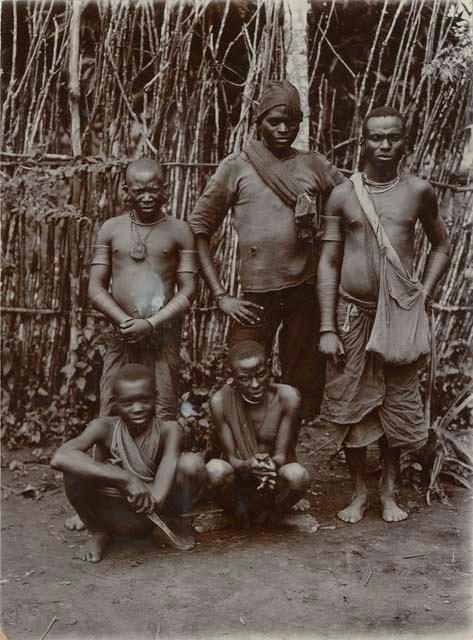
133 329
266 473
331 346
262 465
428 301
242 311
139 495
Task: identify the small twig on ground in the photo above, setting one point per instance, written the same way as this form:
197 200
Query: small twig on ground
324 444
369 575
49 627
417 555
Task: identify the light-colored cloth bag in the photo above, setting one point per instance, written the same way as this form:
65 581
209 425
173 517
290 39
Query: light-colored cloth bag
400 333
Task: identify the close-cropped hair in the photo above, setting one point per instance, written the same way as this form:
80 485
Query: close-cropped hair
382 112
131 373
243 350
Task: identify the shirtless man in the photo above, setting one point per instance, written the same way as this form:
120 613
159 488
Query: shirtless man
142 471
146 254
368 400
257 426
275 193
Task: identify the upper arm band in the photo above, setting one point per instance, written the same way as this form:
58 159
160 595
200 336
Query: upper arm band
102 255
188 261
332 229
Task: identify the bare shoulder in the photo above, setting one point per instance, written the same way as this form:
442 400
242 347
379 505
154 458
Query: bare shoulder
109 227
170 427
216 406
181 232
171 434
420 186
102 426
288 396
340 199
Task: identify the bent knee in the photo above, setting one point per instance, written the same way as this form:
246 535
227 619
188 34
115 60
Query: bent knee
219 471
191 465
296 476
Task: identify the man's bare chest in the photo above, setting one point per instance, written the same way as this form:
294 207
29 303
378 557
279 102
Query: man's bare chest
154 243
397 214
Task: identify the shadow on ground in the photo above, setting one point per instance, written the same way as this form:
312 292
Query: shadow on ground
371 579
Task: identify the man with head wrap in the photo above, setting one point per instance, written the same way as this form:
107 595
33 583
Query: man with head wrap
274 192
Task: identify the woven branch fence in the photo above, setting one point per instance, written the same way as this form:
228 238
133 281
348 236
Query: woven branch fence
90 85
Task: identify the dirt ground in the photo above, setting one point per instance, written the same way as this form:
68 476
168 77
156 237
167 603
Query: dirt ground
372 579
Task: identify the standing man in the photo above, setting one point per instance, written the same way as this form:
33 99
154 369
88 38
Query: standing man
274 192
367 294
149 258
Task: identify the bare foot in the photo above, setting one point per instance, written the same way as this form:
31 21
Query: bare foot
93 549
74 523
301 521
301 506
355 510
391 512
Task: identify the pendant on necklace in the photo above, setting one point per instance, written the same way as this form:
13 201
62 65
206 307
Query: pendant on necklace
138 251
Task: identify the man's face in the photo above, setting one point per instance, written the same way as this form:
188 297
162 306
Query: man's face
134 400
278 130
251 377
384 141
145 191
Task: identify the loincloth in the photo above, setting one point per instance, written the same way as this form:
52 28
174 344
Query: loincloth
160 353
366 398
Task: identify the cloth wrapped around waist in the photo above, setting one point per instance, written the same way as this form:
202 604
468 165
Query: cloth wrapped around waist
365 384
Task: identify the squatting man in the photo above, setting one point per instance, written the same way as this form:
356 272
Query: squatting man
371 394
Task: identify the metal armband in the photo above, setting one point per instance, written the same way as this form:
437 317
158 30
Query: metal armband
188 261
102 255
332 229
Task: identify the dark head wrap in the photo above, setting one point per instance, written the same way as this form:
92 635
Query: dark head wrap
280 93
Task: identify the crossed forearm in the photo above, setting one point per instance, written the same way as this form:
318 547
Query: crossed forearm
79 463
176 307
103 301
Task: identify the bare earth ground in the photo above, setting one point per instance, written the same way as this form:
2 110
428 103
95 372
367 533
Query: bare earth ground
370 579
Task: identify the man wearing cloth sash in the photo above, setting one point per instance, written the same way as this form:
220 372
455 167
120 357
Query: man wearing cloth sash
257 424
274 193
374 327
138 471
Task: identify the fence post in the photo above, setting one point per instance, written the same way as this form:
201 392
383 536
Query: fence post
297 68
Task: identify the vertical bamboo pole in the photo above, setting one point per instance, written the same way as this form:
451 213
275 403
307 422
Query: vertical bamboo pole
295 37
74 85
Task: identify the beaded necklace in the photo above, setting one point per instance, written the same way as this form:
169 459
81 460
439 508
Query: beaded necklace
382 187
